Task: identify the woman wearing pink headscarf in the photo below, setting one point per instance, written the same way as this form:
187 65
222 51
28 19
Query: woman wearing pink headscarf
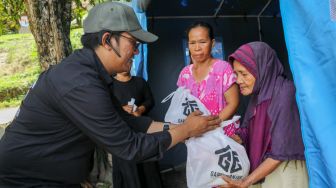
274 142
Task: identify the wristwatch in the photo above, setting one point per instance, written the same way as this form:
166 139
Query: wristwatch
165 126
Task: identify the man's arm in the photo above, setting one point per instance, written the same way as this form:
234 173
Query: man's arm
90 108
194 125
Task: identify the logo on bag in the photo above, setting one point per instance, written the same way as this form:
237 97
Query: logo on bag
228 160
189 106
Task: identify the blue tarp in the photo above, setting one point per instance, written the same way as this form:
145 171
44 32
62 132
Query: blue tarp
310 33
139 66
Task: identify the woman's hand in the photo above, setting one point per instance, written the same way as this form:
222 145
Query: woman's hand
264 169
128 108
233 183
139 111
136 113
237 138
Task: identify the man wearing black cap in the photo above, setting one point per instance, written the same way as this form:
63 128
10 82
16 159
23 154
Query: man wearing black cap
70 110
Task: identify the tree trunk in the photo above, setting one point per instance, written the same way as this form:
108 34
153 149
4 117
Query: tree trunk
49 21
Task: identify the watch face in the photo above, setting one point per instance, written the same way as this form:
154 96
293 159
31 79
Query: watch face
165 126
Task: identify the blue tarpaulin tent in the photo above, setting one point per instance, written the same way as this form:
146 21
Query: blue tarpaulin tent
139 66
310 33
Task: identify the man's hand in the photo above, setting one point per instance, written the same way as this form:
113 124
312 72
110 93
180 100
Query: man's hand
194 125
197 124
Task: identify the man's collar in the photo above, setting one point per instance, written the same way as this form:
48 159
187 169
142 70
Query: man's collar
103 74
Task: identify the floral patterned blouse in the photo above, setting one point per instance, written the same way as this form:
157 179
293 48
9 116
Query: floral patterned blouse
211 90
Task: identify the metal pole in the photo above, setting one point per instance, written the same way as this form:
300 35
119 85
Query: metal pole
219 7
258 18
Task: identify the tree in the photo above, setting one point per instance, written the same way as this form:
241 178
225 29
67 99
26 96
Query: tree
49 22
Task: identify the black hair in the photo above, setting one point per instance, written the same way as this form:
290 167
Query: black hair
201 24
93 40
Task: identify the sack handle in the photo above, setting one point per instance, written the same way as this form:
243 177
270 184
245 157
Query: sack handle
168 97
235 119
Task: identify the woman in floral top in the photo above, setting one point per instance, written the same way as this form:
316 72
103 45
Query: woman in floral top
211 80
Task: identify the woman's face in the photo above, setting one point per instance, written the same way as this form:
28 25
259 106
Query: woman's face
200 44
245 79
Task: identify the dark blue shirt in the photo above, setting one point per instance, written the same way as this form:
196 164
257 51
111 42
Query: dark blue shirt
64 116
136 88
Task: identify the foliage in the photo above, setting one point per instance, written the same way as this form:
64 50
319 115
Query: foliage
12 10
75 36
10 14
79 9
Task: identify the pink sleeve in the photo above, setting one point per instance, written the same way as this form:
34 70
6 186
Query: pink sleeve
230 77
181 80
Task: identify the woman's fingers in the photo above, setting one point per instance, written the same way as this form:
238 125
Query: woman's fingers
227 179
231 183
237 139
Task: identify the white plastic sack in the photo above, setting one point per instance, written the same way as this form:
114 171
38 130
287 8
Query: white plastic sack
182 104
213 155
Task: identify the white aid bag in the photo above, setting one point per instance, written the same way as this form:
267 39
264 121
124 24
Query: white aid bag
182 104
214 155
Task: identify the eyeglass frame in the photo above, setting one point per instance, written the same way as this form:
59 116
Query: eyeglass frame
135 43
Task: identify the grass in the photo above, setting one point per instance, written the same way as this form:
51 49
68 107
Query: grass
19 66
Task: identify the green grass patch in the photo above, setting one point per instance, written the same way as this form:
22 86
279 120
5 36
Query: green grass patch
19 66
14 87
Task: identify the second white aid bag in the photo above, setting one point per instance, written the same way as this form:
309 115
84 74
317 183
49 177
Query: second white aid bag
214 155
182 104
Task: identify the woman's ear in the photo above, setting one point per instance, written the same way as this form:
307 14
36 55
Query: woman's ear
213 42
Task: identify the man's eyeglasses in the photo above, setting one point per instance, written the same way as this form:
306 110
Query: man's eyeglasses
134 42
